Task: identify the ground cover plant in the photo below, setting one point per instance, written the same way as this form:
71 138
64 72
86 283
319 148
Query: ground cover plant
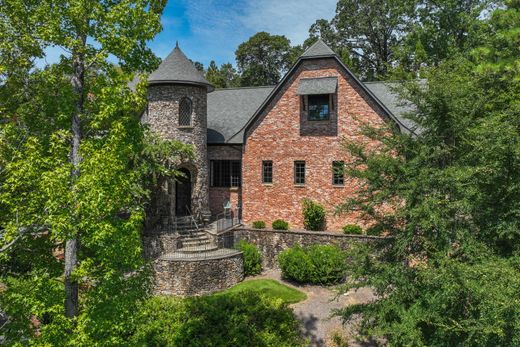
269 288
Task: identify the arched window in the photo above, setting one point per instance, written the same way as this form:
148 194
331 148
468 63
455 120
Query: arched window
185 110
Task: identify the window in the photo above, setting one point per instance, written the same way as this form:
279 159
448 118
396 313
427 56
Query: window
299 172
338 173
319 107
267 171
225 173
185 110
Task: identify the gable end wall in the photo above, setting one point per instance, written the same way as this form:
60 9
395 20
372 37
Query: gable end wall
277 135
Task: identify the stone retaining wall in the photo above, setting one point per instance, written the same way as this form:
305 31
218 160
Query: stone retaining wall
197 277
155 245
273 242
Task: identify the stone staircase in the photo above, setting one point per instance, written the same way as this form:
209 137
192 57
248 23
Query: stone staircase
196 242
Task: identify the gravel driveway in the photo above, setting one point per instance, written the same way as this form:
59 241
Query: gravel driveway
315 312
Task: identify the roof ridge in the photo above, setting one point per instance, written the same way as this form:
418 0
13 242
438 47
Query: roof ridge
252 87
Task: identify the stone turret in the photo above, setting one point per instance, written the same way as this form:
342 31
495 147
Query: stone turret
177 110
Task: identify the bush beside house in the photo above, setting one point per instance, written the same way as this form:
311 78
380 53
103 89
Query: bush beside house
280 224
313 216
317 264
252 258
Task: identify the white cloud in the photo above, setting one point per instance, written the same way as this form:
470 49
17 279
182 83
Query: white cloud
217 27
291 18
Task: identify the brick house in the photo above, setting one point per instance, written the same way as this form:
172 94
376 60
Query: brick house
264 149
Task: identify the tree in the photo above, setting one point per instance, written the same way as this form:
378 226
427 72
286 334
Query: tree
372 30
449 276
225 77
74 161
441 29
263 59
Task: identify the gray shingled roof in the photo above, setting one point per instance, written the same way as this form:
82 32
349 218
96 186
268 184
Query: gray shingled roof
321 85
318 49
230 109
383 91
177 68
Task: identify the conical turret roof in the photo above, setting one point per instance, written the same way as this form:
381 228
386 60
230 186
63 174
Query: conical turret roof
177 68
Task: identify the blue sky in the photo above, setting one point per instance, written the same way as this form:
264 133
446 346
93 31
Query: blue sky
212 29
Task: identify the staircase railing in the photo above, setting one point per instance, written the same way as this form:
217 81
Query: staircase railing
228 219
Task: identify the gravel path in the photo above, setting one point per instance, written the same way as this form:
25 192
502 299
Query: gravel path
315 312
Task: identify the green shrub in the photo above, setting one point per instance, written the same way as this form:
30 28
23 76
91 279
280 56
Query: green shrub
280 224
313 215
236 319
352 229
318 264
375 230
295 264
252 258
259 224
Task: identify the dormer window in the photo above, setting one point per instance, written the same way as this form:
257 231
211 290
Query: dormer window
319 107
185 111
317 97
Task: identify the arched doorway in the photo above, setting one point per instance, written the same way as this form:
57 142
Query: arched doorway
183 194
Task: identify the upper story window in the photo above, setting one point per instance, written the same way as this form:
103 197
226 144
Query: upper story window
317 97
185 111
267 171
338 173
299 172
319 107
225 173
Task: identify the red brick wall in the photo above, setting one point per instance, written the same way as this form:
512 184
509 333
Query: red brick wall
277 136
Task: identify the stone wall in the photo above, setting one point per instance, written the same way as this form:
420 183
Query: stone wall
155 245
163 117
273 242
198 277
282 136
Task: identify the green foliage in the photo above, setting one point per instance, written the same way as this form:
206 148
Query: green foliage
244 318
450 275
319 264
252 258
224 77
263 59
313 215
270 288
352 229
280 224
46 197
259 224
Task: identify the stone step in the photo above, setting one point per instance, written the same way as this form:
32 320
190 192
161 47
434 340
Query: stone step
193 234
194 238
197 249
187 243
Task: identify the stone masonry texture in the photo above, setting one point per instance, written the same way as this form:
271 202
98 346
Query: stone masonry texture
200 277
273 242
163 118
281 135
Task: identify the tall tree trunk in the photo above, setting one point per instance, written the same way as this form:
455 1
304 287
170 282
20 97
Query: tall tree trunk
72 244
